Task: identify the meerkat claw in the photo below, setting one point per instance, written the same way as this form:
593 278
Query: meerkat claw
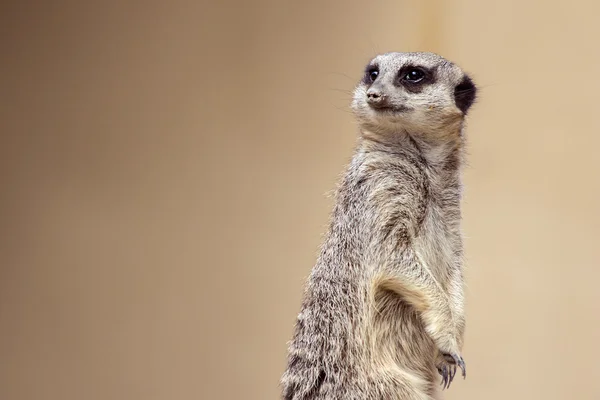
449 368
463 367
443 371
458 361
451 374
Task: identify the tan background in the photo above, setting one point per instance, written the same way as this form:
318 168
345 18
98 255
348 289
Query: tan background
164 167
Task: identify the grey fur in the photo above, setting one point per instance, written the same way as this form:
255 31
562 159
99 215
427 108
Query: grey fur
383 309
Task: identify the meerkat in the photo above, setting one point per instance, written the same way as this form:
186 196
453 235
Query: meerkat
383 308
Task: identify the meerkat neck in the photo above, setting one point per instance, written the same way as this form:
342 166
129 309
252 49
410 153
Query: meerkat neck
440 152
436 150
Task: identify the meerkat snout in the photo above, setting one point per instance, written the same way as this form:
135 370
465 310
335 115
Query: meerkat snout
376 98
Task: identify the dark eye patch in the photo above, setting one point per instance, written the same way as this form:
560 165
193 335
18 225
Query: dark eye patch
371 73
413 78
414 75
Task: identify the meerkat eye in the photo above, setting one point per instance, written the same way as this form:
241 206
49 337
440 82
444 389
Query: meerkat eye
373 75
414 75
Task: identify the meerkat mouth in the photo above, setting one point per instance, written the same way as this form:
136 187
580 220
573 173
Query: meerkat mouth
387 109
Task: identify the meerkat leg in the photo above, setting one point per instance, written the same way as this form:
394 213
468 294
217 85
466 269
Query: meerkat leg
457 303
402 386
447 363
417 286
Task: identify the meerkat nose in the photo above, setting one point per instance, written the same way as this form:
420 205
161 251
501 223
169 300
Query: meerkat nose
374 94
376 98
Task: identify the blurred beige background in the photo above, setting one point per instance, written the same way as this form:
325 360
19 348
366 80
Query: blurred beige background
164 170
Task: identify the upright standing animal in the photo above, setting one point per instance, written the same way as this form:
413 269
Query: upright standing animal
383 309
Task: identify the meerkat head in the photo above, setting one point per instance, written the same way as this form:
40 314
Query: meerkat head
419 93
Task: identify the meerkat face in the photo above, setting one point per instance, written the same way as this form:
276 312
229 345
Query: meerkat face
416 92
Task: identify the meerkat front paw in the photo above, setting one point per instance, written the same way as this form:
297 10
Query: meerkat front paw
446 367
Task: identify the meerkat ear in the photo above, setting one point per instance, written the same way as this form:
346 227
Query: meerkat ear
464 94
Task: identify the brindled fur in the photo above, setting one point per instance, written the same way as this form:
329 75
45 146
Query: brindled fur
383 310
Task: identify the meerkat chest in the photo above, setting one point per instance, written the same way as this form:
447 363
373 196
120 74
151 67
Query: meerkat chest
439 242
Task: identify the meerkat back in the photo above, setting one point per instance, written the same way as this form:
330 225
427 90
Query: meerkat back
382 316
